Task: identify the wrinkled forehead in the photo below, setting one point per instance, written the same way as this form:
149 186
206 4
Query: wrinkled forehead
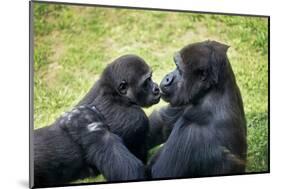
141 75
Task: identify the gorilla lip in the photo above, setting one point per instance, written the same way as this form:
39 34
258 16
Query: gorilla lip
157 98
164 96
163 93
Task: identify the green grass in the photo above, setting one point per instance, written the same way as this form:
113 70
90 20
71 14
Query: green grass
73 44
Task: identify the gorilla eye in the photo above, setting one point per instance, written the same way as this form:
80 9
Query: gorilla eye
202 74
147 81
123 87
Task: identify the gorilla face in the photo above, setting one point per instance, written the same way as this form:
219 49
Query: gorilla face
147 93
197 70
131 78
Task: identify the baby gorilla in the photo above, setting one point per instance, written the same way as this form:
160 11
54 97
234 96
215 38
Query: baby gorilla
124 87
80 144
76 142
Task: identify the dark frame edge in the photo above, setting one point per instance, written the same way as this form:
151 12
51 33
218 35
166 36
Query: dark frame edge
31 82
161 179
268 96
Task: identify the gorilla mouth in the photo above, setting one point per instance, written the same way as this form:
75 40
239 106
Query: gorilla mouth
152 101
157 98
165 98
165 95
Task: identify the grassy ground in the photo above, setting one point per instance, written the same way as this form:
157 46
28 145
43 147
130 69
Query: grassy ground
74 44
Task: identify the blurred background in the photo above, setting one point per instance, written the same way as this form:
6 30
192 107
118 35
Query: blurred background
73 44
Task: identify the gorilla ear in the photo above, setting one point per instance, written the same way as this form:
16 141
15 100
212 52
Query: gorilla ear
122 88
218 59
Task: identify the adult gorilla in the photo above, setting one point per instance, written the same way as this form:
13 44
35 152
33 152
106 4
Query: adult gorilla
110 138
204 122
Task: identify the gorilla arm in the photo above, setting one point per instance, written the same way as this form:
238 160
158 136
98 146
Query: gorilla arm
161 124
113 159
101 148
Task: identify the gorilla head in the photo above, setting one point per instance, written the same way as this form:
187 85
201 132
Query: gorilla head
199 67
129 78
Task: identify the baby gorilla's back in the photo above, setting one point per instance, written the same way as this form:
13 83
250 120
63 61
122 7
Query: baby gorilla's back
58 154
57 158
78 142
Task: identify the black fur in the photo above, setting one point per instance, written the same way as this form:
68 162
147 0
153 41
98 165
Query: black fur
122 109
204 123
67 150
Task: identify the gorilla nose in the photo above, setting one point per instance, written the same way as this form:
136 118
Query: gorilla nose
167 80
156 90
